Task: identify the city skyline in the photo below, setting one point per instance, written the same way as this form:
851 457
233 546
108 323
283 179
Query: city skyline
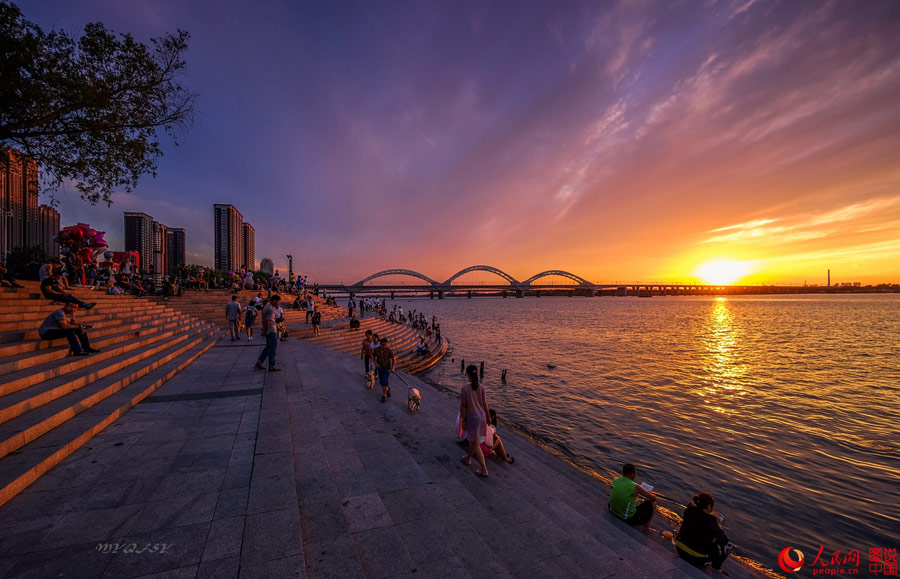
24 221
616 141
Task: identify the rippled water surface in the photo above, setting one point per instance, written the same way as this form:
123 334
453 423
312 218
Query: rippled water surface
785 408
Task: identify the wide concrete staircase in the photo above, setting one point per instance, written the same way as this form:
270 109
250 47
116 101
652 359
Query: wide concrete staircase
335 331
52 403
210 306
403 340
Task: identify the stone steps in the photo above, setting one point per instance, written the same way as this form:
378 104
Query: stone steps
403 341
111 337
15 403
33 321
210 306
33 344
51 403
27 427
99 322
15 381
35 458
28 319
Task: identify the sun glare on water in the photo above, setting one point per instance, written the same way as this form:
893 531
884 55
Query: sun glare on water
721 271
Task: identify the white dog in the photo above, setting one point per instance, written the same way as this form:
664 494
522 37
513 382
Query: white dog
414 400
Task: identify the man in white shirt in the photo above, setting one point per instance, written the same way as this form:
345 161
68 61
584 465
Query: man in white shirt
270 331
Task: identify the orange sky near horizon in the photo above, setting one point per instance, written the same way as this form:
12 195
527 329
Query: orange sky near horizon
621 141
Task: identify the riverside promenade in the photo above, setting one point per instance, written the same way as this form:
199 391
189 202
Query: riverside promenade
230 472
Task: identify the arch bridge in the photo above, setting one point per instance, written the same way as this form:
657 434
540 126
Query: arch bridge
428 284
508 283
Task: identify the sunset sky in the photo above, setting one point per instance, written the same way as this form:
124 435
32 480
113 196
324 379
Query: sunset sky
619 141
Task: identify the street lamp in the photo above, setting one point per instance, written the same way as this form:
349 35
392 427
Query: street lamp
290 264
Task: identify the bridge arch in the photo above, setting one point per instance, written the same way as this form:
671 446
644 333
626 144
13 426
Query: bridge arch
487 268
388 272
560 273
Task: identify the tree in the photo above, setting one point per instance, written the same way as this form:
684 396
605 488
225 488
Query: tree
25 261
88 109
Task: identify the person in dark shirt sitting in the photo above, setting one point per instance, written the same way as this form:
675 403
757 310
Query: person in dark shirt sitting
50 290
62 324
137 288
701 541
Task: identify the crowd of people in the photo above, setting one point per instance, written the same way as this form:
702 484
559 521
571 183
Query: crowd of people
245 279
394 315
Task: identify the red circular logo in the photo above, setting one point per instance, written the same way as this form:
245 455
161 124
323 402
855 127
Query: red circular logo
787 564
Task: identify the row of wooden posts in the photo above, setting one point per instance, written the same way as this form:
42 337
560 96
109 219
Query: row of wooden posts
462 368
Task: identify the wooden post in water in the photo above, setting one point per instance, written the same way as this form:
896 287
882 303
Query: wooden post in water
462 365
503 376
481 372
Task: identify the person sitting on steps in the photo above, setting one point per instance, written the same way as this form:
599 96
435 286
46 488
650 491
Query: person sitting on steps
701 541
496 449
622 503
61 324
50 290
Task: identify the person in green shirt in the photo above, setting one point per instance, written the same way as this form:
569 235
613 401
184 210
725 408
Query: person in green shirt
623 495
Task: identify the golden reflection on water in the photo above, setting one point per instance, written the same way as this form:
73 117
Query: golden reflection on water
722 343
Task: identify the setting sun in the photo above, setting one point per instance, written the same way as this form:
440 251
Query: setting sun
722 271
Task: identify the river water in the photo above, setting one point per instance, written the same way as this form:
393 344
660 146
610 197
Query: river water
786 409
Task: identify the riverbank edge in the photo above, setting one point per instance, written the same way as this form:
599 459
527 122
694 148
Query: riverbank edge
672 518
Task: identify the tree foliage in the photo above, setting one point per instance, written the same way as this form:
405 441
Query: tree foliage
25 261
88 109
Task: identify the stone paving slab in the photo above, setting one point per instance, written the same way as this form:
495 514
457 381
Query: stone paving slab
235 473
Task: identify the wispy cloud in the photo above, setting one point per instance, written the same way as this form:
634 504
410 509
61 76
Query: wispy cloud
748 225
802 227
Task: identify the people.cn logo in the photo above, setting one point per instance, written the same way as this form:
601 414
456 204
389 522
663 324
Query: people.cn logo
787 564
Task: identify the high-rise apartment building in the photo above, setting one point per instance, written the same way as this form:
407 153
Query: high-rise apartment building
175 252
248 240
160 249
228 225
49 225
20 222
32 229
139 235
